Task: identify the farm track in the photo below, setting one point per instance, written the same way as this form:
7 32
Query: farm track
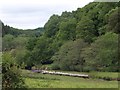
73 75
61 73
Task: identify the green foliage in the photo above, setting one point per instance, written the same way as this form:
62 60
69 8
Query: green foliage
84 40
10 42
67 29
41 52
51 27
20 42
7 42
61 40
31 43
16 32
11 77
68 56
102 55
86 29
113 20
19 55
88 23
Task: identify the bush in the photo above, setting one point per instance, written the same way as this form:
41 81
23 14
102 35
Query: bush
55 67
11 76
88 69
102 55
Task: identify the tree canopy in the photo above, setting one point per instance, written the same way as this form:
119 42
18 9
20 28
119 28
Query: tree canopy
81 40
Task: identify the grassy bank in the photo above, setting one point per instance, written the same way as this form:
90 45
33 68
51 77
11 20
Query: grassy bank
37 80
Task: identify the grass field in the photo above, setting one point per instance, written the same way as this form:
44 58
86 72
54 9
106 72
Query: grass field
37 80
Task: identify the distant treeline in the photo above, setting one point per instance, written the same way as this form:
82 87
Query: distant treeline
15 32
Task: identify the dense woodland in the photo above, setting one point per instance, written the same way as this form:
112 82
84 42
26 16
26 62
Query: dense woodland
83 40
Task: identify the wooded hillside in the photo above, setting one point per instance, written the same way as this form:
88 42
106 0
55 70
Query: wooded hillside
83 40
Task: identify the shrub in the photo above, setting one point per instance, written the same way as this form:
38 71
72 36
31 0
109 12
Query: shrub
55 66
11 76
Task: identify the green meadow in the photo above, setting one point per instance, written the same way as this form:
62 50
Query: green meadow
38 80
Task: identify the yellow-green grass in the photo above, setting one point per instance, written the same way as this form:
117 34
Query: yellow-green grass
37 80
104 74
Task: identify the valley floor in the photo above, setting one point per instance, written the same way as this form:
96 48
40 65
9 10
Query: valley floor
38 80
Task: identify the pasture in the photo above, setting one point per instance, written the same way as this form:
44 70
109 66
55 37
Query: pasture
38 80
